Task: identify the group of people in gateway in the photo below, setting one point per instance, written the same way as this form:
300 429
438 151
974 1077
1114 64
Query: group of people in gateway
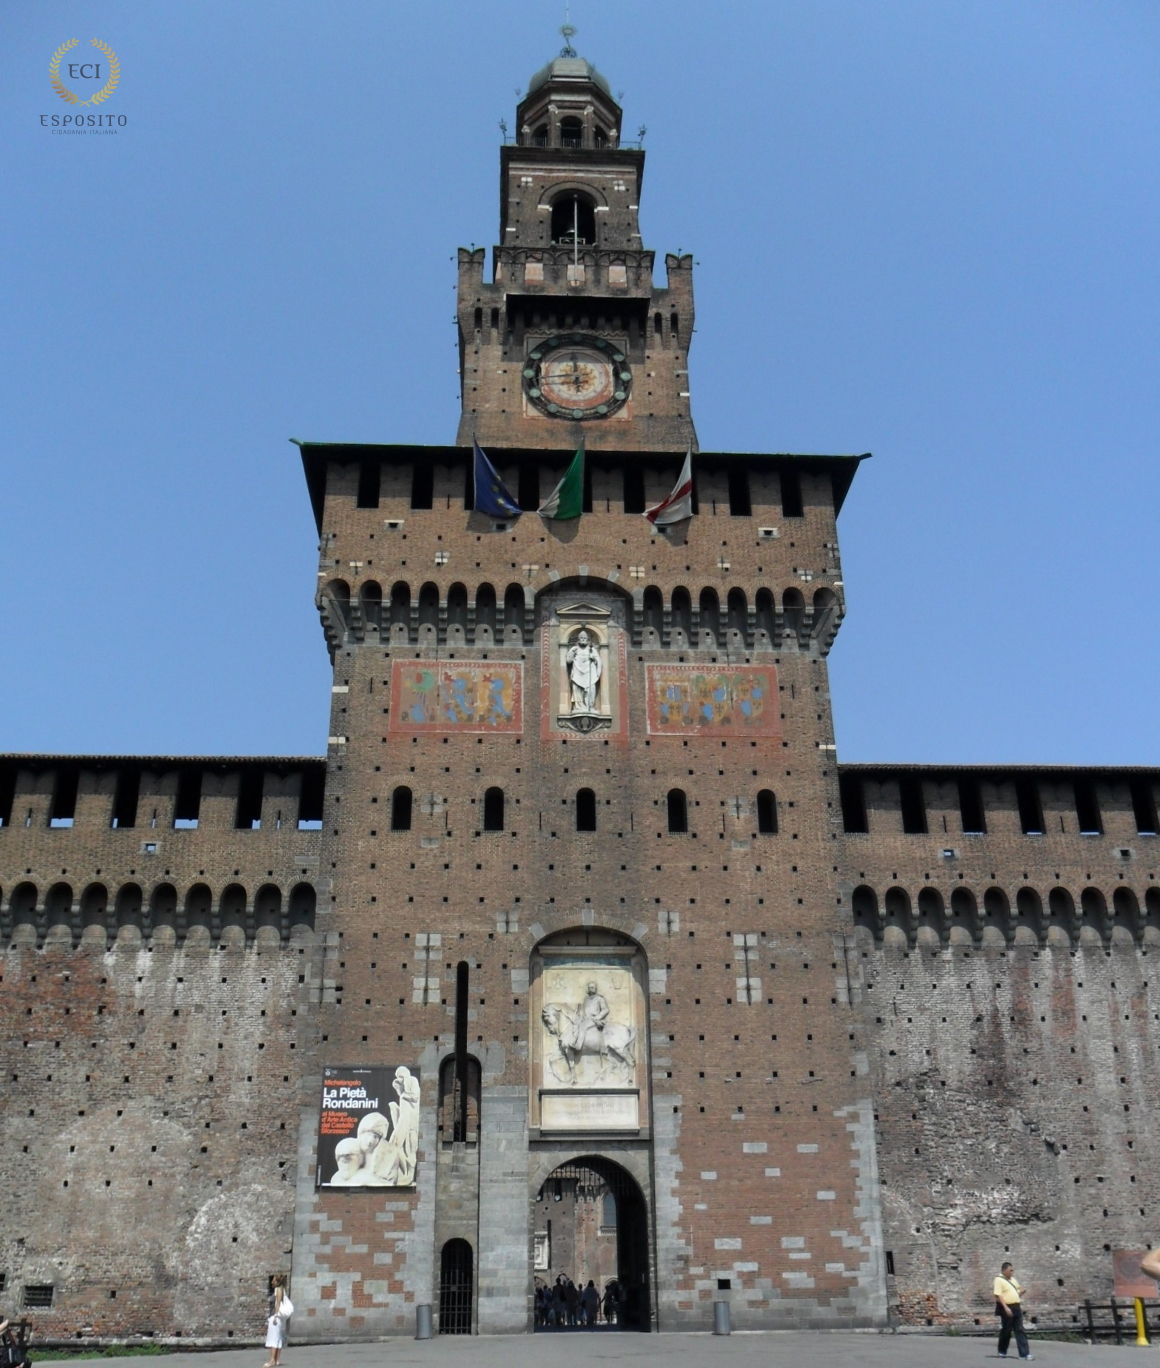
566 1306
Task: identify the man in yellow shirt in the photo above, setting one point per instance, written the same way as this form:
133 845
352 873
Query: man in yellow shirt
1009 1309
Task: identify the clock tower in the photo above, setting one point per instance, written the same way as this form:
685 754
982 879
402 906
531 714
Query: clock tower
572 337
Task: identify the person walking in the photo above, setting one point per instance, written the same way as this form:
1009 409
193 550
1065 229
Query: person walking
1009 1309
276 1321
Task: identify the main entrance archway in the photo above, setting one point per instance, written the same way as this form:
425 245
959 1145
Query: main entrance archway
591 1225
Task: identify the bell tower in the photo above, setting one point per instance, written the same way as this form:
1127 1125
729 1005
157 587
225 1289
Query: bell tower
571 337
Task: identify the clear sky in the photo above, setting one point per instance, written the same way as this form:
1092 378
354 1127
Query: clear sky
924 229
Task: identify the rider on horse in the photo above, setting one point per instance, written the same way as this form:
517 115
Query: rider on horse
593 1011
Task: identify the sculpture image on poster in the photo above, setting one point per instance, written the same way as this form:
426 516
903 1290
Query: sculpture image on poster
456 696
368 1126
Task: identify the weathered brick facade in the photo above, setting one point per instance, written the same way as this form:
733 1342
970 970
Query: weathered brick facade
863 1038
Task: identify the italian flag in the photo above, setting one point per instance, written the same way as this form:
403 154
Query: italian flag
567 499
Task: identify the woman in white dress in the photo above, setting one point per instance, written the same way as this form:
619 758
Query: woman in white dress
275 1322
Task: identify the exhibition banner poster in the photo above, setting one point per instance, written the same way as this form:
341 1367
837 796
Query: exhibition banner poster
368 1126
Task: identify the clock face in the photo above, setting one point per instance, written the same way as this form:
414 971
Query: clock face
573 375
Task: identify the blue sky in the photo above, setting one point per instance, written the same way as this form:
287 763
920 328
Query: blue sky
926 230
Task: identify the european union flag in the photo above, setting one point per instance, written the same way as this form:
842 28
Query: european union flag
491 497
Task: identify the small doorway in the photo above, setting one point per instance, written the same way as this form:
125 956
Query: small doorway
591 1227
456 1288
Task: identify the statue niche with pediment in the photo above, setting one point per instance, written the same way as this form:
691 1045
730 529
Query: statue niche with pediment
583 634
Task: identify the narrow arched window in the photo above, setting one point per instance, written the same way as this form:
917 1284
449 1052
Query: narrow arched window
585 810
401 809
493 810
767 813
678 810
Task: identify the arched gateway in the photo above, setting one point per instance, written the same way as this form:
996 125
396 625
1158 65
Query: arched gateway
590 1131
590 1220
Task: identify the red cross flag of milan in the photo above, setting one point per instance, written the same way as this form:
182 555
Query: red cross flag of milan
679 505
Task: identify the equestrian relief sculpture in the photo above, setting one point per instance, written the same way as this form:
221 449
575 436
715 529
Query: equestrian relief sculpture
587 1032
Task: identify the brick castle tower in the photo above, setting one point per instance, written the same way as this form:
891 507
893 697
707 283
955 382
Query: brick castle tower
510 853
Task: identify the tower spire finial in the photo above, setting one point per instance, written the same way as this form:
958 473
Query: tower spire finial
568 30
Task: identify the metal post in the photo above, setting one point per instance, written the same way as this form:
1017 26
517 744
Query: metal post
721 1322
1091 1324
1141 1325
1116 1322
423 1322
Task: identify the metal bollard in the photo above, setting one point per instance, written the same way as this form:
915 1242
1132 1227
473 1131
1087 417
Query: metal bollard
423 1322
721 1322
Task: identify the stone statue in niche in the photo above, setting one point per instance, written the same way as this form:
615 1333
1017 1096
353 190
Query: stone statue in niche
584 635
584 671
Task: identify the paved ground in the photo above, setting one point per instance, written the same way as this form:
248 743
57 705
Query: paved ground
783 1349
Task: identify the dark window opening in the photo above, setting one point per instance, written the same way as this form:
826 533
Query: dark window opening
478 320
187 808
890 1263
737 613
493 810
571 133
654 611
249 813
422 485
513 608
791 495
484 610
7 794
1030 807
678 810
675 328
64 797
585 810
38 1295
711 614
429 605
495 320
633 489
739 502
573 220
853 797
683 613
540 136
913 807
529 495
369 473
401 802
310 799
767 813
658 326
1143 807
971 814
1087 809
125 798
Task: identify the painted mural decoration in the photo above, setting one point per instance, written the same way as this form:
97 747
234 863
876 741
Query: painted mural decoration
685 700
368 1127
456 696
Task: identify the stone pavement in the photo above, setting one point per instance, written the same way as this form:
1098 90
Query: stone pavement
776 1349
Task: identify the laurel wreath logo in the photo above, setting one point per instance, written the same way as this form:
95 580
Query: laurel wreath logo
70 96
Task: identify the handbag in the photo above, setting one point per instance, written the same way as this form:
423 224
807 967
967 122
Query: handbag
286 1310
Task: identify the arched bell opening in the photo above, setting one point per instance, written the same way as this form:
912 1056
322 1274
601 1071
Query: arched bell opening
590 1224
